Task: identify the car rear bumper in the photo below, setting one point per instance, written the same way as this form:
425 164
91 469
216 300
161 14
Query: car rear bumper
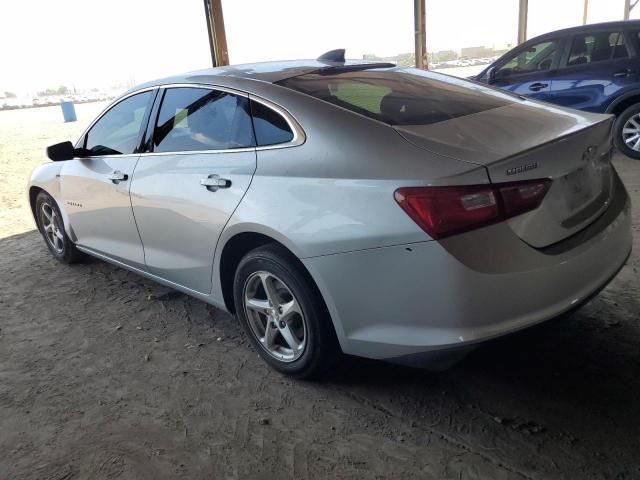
425 298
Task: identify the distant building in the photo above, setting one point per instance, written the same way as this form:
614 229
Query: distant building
476 52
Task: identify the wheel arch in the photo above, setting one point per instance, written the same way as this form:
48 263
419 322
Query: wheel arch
623 102
34 190
237 246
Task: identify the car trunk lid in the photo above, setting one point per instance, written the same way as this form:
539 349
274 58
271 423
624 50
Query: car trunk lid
528 141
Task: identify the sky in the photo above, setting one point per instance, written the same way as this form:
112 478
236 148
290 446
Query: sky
87 43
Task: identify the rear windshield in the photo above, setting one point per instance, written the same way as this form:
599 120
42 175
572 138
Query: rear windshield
398 97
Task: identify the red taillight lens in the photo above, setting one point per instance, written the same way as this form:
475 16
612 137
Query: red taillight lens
444 211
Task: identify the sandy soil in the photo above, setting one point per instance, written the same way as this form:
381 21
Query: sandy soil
106 375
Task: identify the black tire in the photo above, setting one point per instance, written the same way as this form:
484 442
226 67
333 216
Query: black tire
65 251
618 136
321 348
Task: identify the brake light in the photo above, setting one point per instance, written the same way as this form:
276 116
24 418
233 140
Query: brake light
445 211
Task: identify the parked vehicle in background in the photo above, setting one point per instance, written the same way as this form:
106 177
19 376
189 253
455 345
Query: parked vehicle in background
595 68
381 211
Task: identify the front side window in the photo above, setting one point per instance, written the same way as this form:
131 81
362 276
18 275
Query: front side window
597 47
196 119
537 57
117 131
271 128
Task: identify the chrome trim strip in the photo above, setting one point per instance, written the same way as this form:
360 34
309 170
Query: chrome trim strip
109 107
196 152
299 136
207 86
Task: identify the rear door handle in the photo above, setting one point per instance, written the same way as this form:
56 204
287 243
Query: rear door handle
622 73
213 182
538 86
117 176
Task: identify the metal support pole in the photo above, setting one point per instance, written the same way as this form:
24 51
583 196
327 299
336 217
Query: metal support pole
217 36
627 9
420 34
522 21
585 11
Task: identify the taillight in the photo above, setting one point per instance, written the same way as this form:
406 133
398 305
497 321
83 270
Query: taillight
444 211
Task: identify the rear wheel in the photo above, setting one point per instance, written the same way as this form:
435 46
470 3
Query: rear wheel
51 226
283 314
626 131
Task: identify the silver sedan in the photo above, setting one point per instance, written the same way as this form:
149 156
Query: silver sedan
351 207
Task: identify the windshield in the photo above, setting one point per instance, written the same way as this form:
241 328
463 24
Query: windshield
398 96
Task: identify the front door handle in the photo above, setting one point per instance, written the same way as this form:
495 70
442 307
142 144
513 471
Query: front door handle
213 182
538 86
117 176
622 73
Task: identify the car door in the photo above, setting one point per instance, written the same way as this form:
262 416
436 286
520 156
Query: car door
201 161
597 66
95 189
527 70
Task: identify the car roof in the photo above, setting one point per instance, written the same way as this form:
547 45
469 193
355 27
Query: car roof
624 24
270 72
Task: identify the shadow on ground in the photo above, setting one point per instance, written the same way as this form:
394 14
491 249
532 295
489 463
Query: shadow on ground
105 374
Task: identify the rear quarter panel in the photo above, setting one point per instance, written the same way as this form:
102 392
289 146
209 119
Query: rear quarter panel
334 193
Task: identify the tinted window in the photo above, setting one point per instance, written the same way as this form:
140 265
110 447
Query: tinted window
270 127
398 97
193 119
535 58
597 47
117 130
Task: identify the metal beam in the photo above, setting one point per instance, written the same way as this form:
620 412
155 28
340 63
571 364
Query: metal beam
420 34
523 11
627 9
217 36
585 11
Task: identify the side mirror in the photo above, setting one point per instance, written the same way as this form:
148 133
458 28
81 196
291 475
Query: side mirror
491 75
63 151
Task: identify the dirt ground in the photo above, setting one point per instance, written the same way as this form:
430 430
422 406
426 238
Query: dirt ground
106 375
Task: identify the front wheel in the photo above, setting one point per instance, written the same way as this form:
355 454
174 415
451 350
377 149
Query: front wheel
51 226
626 131
283 314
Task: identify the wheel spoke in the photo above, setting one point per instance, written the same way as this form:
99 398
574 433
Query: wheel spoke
633 122
632 139
636 145
258 305
289 309
48 228
269 336
270 290
290 338
47 214
630 130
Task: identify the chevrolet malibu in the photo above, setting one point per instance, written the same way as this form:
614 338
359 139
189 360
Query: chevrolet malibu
337 206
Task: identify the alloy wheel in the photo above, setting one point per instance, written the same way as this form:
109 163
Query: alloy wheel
275 316
631 132
52 227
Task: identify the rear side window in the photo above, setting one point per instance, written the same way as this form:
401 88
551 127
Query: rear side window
195 119
597 47
116 132
270 127
397 97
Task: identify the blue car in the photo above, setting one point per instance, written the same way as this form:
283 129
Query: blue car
593 67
